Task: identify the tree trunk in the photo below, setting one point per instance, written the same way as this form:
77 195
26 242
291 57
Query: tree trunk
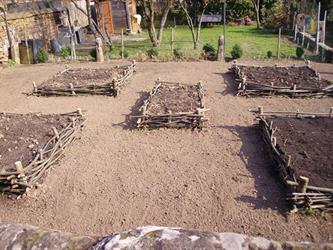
150 15
164 17
258 18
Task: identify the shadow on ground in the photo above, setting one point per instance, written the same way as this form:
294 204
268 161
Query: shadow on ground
130 119
271 193
229 82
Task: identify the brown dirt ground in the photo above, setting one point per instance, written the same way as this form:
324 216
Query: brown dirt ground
22 136
115 178
174 99
309 142
300 76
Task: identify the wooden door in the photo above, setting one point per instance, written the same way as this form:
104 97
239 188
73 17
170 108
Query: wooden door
105 16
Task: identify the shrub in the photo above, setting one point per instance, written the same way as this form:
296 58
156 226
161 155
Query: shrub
269 54
65 52
209 52
299 52
178 53
93 53
237 51
11 63
152 53
208 48
126 54
276 16
42 56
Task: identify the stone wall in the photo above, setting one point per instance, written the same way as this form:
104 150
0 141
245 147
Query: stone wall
15 236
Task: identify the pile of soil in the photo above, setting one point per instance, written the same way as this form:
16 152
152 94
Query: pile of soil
21 136
309 141
174 99
83 76
287 76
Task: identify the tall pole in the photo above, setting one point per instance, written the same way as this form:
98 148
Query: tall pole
317 36
224 25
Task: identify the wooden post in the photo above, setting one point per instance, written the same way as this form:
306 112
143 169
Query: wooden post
26 42
324 27
172 40
99 50
296 31
303 36
317 33
224 23
279 45
122 44
304 182
261 110
220 50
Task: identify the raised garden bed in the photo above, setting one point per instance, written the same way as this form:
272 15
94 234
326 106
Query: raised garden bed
301 145
293 81
85 81
30 144
173 105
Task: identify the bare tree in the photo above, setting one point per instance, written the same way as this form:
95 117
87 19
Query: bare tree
151 9
195 30
256 5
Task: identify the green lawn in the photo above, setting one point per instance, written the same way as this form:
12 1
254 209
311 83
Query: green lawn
255 43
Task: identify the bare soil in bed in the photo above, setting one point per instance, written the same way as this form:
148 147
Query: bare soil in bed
22 135
174 99
303 77
309 142
83 76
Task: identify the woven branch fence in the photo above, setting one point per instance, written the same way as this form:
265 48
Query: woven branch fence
26 177
192 120
303 196
248 88
111 89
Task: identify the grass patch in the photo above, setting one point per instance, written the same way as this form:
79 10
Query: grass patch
254 42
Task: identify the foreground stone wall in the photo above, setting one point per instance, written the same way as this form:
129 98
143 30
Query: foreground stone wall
16 237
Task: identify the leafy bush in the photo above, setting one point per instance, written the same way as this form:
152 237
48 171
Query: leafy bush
237 51
276 16
269 54
209 52
299 52
42 56
178 53
152 53
65 52
11 63
126 54
93 53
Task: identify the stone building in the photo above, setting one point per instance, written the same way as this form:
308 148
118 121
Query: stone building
27 25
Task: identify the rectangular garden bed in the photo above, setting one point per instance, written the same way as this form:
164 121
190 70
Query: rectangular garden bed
30 144
301 146
85 81
293 81
173 105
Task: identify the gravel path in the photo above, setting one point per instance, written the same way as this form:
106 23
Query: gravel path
115 178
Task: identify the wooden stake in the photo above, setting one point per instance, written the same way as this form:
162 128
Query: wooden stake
279 44
295 35
304 182
317 34
172 41
261 110
122 44
303 36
